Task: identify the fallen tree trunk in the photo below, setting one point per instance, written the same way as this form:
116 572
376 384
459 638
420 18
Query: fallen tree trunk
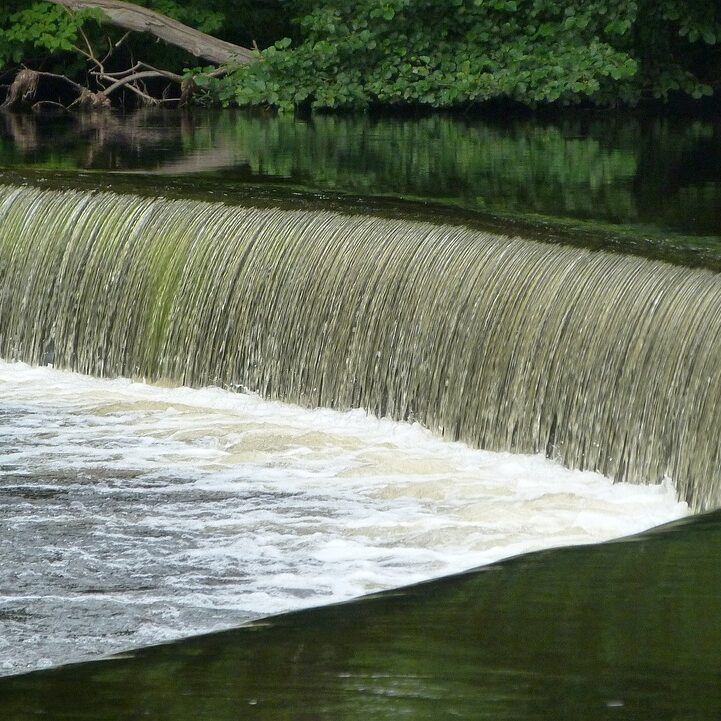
22 93
140 19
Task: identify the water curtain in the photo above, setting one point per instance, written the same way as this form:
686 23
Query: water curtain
599 360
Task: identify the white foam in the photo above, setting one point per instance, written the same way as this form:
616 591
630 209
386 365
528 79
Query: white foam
132 514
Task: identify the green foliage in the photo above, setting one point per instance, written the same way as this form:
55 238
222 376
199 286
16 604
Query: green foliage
431 53
458 52
29 28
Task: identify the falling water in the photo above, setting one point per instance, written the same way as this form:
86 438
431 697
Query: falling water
601 361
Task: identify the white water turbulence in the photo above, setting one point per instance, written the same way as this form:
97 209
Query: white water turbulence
133 514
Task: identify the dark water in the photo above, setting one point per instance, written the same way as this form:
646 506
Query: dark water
625 630
657 174
628 630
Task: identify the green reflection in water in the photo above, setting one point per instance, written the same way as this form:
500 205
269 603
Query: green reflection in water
657 173
625 630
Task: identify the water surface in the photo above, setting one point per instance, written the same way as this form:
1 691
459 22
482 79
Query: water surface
626 630
134 514
660 176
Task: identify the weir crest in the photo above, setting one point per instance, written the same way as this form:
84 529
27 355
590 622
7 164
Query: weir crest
601 361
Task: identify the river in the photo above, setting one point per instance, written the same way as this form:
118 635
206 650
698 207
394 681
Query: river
136 511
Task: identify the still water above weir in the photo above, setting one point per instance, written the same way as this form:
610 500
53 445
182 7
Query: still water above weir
659 177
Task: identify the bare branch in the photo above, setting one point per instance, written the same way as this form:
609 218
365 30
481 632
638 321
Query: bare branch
108 55
91 52
140 76
119 73
123 39
56 76
149 99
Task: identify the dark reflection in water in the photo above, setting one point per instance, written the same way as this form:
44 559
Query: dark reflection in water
626 630
659 173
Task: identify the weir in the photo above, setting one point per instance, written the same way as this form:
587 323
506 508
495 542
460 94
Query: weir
601 361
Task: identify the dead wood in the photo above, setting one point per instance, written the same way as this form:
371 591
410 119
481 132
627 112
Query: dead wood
22 90
140 19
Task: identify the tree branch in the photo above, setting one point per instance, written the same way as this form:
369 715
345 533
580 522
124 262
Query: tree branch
139 76
140 19
65 78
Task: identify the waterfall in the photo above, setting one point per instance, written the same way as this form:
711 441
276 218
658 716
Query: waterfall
601 361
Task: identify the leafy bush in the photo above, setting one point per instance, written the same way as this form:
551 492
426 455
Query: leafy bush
432 53
457 52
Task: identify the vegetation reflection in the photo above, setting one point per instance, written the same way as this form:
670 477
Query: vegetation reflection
660 173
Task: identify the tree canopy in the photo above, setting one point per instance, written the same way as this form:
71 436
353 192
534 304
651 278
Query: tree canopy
332 54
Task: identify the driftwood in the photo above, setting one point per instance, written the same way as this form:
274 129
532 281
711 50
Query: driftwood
24 87
140 19
22 90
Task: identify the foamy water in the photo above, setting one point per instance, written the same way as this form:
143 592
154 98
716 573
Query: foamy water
132 514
